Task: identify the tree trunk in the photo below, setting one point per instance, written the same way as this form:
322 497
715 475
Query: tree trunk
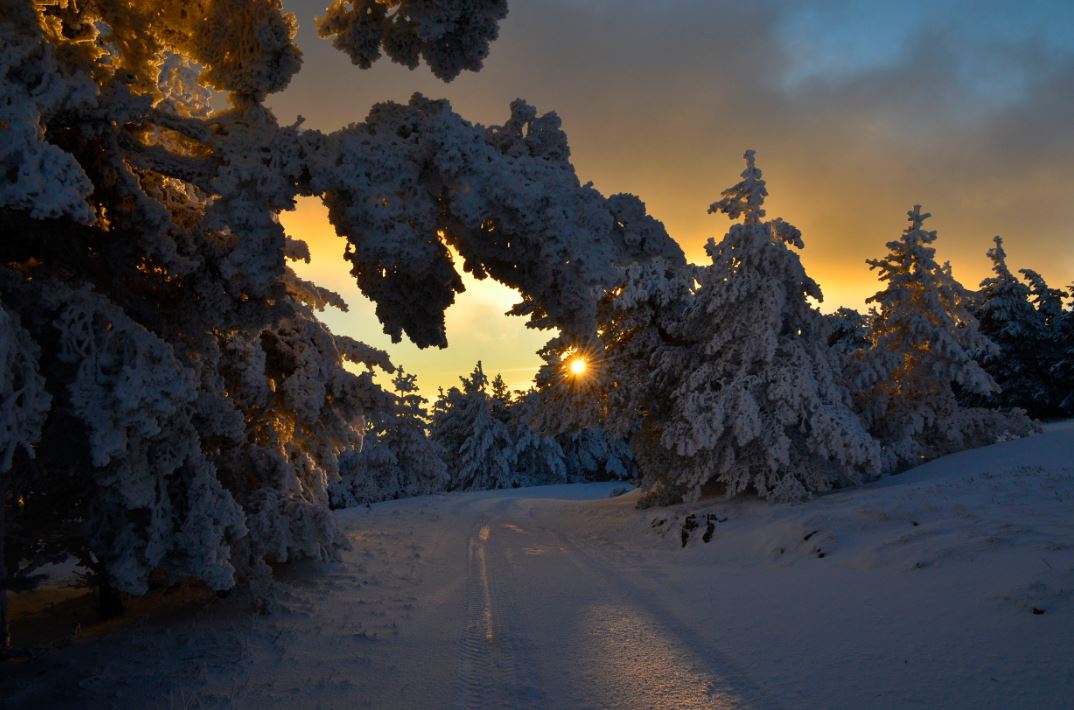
110 603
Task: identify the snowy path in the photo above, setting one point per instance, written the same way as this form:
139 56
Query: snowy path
951 585
548 625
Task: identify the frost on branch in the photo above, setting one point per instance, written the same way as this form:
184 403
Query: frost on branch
36 175
159 505
450 35
413 179
23 399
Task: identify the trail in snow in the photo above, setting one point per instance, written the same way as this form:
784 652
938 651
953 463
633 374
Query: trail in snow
548 626
950 585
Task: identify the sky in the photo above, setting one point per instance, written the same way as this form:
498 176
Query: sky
857 111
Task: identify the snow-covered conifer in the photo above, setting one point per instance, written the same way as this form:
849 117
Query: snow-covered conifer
1007 317
195 397
478 447
398 459
1055 346
924 339
1062 369
760 406
592 454
539 458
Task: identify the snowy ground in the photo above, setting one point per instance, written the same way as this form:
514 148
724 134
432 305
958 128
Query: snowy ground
951 585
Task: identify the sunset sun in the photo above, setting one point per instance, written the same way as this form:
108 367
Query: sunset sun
577 366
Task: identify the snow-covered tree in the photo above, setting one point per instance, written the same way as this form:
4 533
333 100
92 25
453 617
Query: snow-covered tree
924 339
1054 348
398 459
188 386
539 458
1007 318
759 406
1062 369
478 447
593 454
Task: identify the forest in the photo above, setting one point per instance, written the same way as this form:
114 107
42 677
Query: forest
175 412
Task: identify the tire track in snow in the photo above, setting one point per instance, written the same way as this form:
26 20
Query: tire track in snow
493 671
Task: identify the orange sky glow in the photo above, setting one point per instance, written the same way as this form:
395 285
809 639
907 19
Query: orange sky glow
655 106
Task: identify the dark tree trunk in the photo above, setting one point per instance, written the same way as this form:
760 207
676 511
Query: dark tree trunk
109 600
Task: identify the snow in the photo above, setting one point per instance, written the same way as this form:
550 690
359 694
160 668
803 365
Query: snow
915 591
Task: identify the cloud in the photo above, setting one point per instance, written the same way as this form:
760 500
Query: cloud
857 110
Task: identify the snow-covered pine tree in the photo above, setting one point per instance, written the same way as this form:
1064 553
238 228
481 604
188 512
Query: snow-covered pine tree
539 458
592 454
1007 317
478 447
194 401
759 405
924 339
1062 370
421 461
620 392
398 459
1053 356
1058 399
366 475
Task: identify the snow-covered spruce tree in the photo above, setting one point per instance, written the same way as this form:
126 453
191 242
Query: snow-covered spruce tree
196 406
478 447
539 458
1053 351
24 402
593 454
1062 369
759 406
1007 318
398 459
924 339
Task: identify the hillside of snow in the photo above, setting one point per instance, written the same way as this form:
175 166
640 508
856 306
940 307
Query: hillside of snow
950 585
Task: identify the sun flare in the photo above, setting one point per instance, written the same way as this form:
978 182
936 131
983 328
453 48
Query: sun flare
578 366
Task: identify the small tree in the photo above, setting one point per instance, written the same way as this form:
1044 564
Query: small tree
1007 318
398 458
1060 367
924 339
539 458
759 404
478 447
593 454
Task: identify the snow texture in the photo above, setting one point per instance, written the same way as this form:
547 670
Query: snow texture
949 585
